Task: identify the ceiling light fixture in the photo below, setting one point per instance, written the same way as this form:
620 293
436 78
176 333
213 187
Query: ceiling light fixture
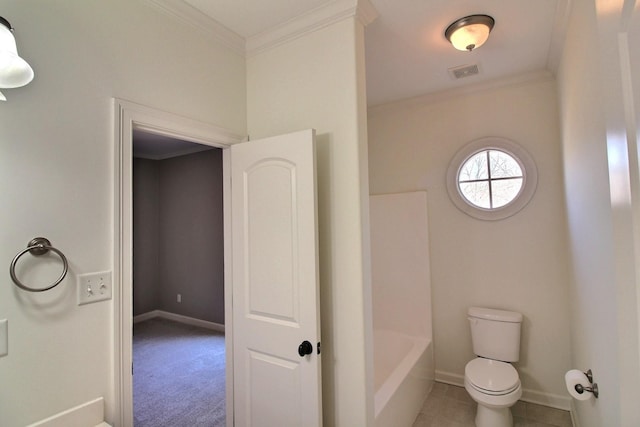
14 71
470 32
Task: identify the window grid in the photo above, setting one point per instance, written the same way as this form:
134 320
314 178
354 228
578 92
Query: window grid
490 179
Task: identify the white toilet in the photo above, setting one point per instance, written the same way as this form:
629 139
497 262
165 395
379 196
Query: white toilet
490 379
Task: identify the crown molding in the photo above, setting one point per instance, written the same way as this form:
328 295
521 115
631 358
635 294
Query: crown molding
311 21
558 34
191 16
515 80
321 17
366 12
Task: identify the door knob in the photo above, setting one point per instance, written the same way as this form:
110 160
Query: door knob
305 348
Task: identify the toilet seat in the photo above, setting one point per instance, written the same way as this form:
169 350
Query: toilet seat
492 377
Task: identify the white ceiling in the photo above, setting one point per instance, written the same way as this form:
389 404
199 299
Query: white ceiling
407 54
250 17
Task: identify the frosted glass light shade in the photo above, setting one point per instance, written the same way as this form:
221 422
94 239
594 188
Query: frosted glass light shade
14 71
470 32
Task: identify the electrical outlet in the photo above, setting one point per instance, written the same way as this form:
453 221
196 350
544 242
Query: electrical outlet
94 287
179 298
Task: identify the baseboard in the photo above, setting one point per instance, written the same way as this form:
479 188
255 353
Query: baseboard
146 316
546 399
179 318
574 417
531 396
87 414
449 378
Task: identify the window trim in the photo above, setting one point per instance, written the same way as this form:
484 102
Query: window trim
529 171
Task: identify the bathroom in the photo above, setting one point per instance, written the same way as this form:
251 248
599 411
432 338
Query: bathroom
505 263
545 260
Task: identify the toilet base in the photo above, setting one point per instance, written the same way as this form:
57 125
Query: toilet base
493 417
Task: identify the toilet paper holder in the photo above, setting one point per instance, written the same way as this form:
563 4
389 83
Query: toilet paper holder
594 387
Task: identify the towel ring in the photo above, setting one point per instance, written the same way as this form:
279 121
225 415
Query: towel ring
38 246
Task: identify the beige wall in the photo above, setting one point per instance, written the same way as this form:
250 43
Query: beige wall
601 185
56 167
317 81
519 263
400 273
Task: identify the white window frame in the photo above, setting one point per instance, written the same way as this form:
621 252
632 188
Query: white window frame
529 172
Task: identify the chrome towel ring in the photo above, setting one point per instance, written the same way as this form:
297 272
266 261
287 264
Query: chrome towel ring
38 246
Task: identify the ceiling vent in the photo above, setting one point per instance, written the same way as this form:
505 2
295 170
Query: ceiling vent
464 71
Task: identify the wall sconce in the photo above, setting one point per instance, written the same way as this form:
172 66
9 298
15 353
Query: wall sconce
14 71
470 32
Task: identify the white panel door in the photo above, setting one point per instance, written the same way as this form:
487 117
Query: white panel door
275 282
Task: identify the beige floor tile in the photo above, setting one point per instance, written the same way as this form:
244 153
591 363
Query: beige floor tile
520 422
458 393
552 416
423 420
443 422
439 389
519 409
433 406
451 406
460 412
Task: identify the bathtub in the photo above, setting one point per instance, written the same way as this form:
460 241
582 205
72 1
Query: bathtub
404 374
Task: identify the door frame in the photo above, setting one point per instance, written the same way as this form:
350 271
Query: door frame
127 117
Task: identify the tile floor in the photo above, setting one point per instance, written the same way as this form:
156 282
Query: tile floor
451 406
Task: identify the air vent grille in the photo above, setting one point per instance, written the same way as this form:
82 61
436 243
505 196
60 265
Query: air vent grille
464 71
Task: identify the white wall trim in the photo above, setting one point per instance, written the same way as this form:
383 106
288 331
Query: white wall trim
87 414
146 316
516 80
308 22
311 21
449 378
173 126
531 396
179 318
366 12
574 411
546 399
129 116
191 16
558 35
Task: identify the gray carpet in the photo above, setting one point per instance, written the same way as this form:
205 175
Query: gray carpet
178 375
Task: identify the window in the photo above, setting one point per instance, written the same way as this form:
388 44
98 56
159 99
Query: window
491 178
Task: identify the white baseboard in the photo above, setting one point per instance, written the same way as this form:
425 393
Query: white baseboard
449 378
574 418
531 396
146 316
87 414
179 318
547 399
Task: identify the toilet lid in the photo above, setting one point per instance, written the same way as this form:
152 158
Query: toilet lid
492 376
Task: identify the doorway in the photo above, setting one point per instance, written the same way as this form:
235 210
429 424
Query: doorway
130 117
178 283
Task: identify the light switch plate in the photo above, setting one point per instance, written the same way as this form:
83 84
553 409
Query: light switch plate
4 337
94 287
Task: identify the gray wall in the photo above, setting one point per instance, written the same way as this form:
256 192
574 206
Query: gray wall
178 236
146 235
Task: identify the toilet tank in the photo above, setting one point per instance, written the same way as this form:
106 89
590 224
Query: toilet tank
495 334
